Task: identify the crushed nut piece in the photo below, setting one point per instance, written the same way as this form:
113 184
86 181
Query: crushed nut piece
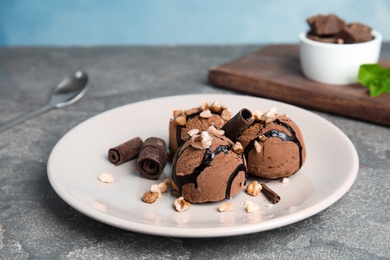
193 132
257 115
254 188
270 115
206 114
150 197
181 120
262 138
159 188
177 113
106 178
205 106
285 180
213 130
257 147
226 206
156 188
181 204
201 141
238 148
226 114
216 107
251 207
163 187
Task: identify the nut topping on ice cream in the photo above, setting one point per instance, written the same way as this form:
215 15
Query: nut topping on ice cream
200 118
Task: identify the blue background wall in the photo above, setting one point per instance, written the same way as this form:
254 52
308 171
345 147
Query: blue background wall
104 22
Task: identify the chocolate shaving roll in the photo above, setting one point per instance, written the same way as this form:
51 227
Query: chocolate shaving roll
270 194
237 124
152 158
125 152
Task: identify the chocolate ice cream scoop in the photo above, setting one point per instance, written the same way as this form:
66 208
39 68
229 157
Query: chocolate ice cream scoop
275 149
209 174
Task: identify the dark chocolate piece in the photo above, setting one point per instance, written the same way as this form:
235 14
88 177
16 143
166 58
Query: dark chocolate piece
237 124
355 33
125 152
270 194
324 25
152 158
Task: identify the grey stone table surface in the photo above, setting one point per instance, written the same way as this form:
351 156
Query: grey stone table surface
35 223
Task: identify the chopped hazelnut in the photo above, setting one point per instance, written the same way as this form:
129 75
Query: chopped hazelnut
270 115
238 148
163 186
106 178
257 147
205 106
257 115
216 107
213 130
155 188
201 141
226 206
177 113
254 188
181 120
205 114
193 132
226 114
251 207
150 197
181 204
262 138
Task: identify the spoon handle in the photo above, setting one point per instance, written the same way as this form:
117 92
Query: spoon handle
26 116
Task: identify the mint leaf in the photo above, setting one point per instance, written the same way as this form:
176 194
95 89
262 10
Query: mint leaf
376 78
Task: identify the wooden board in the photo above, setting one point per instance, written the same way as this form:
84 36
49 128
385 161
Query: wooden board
274 72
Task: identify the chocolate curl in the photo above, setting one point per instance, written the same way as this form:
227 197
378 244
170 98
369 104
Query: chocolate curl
237 124
270 194
152 158
125 152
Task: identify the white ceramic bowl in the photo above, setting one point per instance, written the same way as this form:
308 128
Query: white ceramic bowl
336 63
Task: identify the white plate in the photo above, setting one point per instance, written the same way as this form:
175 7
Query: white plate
81 156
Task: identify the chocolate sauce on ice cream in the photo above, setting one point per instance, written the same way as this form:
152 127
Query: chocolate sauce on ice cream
280 151
212 174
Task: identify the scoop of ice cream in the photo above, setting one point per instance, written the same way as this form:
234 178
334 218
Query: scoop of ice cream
206 169
200 118
274 148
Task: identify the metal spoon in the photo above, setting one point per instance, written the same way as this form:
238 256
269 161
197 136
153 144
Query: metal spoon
67 92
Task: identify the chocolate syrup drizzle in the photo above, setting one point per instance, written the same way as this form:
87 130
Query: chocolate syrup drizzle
208 157
282 135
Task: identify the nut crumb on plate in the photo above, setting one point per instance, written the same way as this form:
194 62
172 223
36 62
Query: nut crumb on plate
254 188
106 178
181 204
250 206
150 197
226 206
